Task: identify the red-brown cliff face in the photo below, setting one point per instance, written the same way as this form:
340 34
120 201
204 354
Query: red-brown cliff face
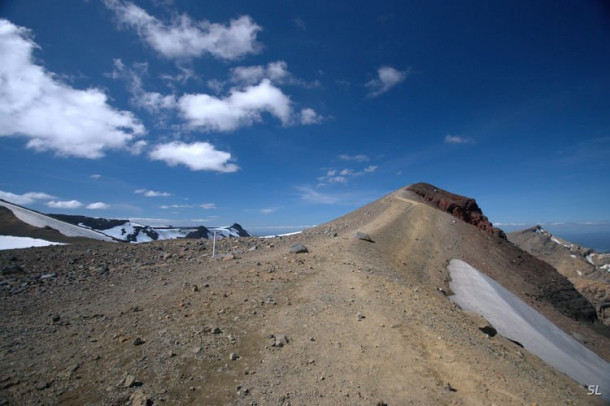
461 207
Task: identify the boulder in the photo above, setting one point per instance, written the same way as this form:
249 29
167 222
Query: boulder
364 236
298 248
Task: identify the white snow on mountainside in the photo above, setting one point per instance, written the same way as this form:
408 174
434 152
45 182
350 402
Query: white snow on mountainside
40 220
516 320
8 242
136 233
117 230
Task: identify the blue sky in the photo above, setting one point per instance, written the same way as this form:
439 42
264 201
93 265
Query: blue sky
283 113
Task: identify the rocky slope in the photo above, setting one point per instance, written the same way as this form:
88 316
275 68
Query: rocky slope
352 321
588 270
461 207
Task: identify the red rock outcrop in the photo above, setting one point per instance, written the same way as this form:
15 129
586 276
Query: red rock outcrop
461 207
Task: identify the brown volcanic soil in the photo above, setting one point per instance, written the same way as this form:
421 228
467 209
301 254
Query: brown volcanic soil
365 322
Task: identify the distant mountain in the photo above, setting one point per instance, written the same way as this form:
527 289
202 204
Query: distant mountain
587 269
21 221
126 230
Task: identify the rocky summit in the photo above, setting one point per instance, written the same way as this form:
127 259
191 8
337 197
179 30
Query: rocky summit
461 207
348 321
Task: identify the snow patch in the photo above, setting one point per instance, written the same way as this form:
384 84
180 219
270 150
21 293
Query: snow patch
590 259
516 320
555 240
282 235
8 242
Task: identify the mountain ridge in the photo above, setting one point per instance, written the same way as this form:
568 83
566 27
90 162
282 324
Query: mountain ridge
587 269
99 228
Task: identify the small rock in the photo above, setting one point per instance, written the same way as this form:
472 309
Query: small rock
197 350
216 330
489 330
280 340
233 356
55 318
252 248
332 234
48 276
229 257
42 384
450 388
364 236
138 341
360 316
195 288
129 381
298 248
138 398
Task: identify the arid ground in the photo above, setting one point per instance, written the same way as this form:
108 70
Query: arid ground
350 322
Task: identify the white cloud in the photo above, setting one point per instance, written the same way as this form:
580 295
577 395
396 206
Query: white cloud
96 176
176 206
53 115
357 158
198 156
370 169
456 139
276 72
64 204
137 147
387 78
98 206
151 193
309 116
183 38
215 84
152 102
268 210
337 179
342 176
243 106
208 206
186 74
240 108
26 198
313 196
